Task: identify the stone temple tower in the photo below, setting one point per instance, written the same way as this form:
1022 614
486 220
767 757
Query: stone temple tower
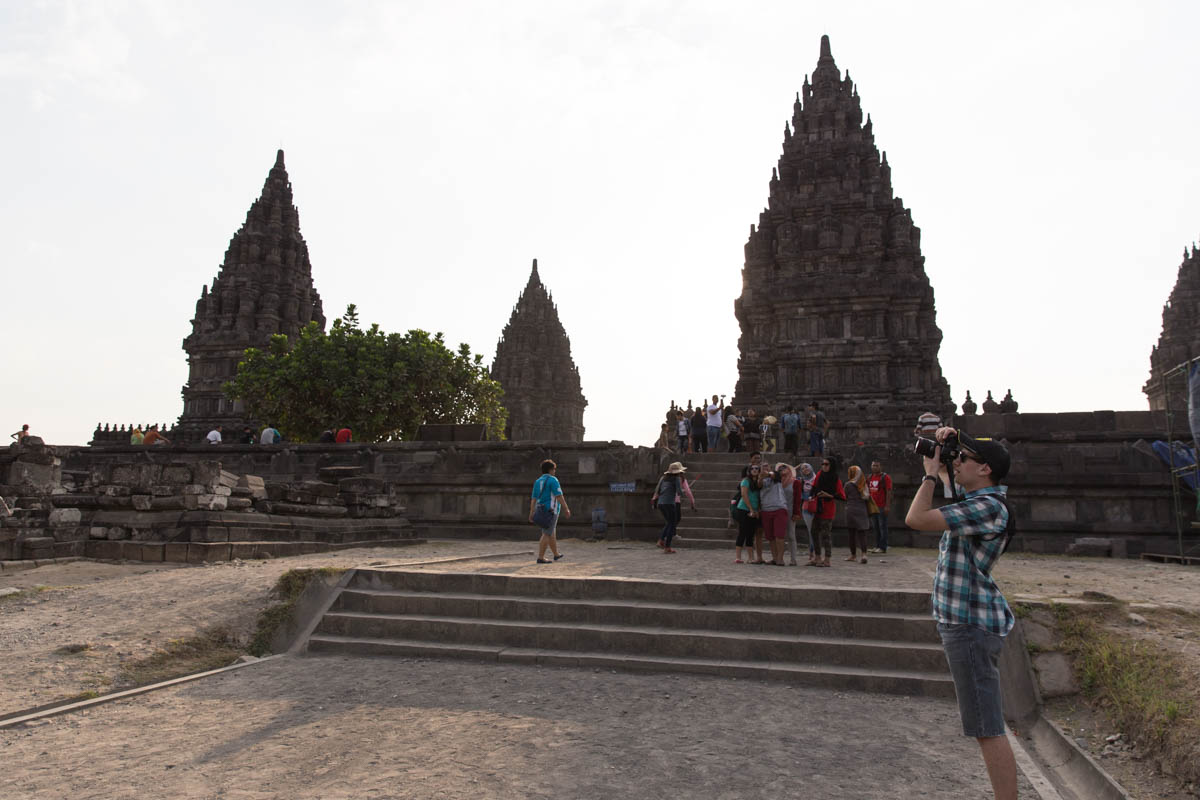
1180 339
835 304
533 364
264 287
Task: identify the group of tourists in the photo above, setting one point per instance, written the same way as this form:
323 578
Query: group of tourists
771 500
719 427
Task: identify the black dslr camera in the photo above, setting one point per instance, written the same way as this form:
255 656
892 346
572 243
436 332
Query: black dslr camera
950 449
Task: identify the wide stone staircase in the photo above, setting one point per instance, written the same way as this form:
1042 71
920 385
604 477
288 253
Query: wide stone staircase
710 525
876 641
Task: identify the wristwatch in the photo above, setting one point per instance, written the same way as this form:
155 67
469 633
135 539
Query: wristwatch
933 478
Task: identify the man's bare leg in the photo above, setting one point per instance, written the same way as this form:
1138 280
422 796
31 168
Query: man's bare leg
542 547
1001 766
553 540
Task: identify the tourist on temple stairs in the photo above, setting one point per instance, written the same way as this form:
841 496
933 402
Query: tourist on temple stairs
214 436
270 435
791 433
344 436
136 436
247 435
327 437
817 427
770 434
733 429
827 490
683 430
804 485
21 434
664 439
546 502
880 485
857 497
667 494
775 499
714 421
746 514
752 437
972 615
699 431
154 437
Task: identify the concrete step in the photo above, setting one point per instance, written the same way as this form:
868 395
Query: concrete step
729 618
689 592
888 681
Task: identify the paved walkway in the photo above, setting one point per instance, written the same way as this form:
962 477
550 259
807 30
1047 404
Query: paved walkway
409 728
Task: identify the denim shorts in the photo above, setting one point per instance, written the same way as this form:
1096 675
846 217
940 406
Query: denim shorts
974 658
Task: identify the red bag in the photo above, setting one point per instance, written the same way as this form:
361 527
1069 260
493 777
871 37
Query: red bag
810 505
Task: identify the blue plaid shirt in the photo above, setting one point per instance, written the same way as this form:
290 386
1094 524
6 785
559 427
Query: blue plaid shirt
963 589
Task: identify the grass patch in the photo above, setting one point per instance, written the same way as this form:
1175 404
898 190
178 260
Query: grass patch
210 649
73 649
1021 610
286 593
1143 689
90 694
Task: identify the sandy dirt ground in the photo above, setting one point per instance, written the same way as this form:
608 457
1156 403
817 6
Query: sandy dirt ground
409 728
335 727
126 611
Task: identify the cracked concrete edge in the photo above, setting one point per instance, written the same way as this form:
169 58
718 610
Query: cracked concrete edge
309 615
42 712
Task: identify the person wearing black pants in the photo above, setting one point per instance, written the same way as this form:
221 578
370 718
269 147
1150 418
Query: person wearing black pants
666 496
699 431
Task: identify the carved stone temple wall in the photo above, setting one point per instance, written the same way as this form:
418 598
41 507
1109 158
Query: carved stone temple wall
1180 338
264 287
835 303
534 365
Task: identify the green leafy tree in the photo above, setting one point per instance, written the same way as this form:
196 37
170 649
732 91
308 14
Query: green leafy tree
380 385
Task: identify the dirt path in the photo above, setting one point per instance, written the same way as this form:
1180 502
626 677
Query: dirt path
410 728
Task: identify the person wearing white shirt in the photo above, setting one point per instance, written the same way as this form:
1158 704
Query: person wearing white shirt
715 420
214 436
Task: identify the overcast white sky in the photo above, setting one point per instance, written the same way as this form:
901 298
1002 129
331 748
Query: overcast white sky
1047 151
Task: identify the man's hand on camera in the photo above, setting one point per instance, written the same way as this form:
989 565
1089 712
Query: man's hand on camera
941 433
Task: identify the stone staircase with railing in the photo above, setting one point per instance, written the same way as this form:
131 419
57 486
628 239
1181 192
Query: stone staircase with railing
877 641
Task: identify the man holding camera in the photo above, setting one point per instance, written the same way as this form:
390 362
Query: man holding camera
972 615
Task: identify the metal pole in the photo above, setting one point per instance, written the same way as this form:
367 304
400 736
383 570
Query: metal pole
622 516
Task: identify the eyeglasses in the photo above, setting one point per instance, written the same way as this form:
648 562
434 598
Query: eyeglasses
964 456
824 463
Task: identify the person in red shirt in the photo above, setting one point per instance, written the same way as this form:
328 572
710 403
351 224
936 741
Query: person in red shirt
343 436
880 485
827 490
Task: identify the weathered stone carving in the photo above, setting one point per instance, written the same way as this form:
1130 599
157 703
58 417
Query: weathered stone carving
534 365
1180 338
264 287
834 246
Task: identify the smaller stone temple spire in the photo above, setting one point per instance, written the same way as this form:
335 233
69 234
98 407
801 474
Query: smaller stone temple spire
533 364
1180 337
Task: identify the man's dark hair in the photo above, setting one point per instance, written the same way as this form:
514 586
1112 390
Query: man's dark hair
753 453
816 405
548 465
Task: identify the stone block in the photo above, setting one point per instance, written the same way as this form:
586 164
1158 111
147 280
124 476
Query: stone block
248 550
117 533
110 502
194 489
1055 676
206 473
1090 547
75 501
39 478
141 502
177 474
302 509
362 485
97 532
209 534
221 491
175 552
70 533
61 517
153 552
1039 635
276 491
239 504
227 479
199 552
174 503
1052 510
110 551
113 490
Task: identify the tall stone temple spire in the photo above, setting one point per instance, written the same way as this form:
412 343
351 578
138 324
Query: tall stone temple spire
835 304
533 364
1180 338
264 287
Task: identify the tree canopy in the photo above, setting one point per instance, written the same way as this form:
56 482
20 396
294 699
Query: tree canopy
380 385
